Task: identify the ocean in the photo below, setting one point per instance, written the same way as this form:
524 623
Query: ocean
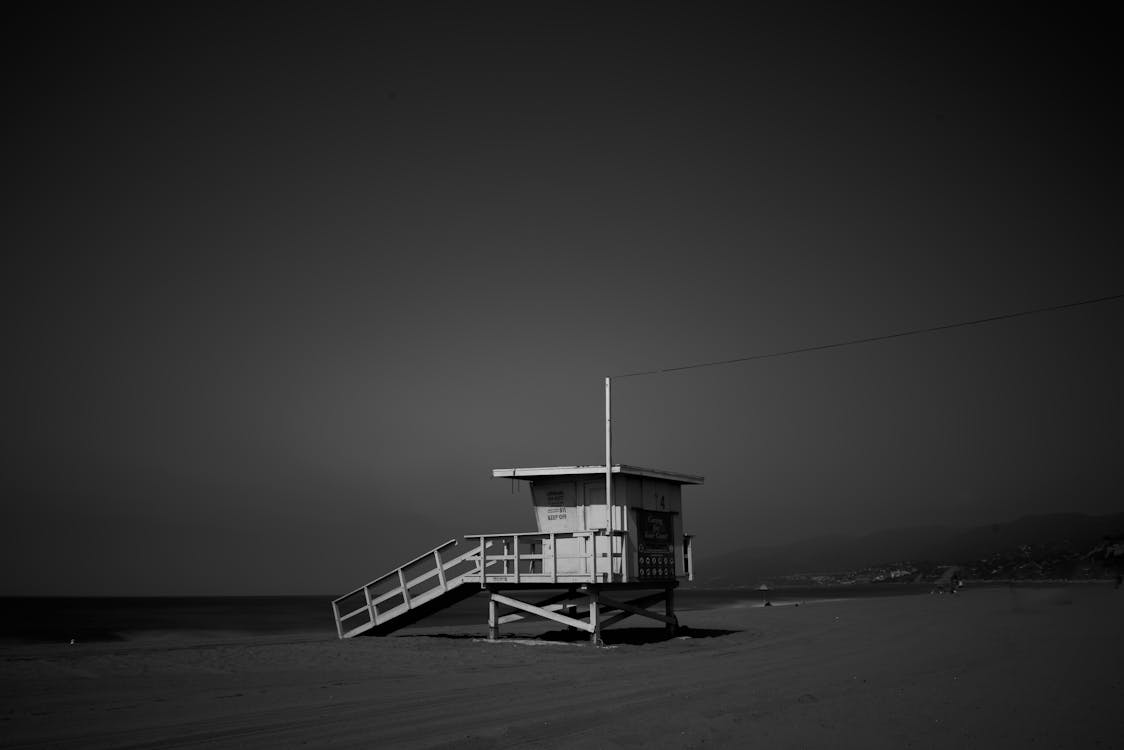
107 619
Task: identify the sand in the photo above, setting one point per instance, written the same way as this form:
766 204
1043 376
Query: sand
988 668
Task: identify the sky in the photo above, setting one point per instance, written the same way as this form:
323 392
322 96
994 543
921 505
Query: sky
285 281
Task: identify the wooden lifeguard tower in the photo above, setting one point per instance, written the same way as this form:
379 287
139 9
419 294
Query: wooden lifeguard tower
581 568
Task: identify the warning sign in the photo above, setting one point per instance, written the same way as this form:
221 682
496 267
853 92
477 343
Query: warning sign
657 555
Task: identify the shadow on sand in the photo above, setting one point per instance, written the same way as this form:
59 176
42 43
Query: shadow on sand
636 636
611 637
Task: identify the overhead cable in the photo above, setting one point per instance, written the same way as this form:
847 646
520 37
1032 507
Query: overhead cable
871 339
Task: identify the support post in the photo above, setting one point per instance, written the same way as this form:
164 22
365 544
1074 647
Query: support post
493 620
624 556
483 561
689 558
440 570
591 551
595 618
405 589
553 558
370 606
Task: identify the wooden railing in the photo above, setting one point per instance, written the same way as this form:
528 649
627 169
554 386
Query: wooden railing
422 579
518 558
523 558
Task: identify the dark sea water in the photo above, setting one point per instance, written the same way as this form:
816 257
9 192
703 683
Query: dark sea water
89 619
94 619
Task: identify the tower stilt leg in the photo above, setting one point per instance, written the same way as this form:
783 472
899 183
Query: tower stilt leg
595 619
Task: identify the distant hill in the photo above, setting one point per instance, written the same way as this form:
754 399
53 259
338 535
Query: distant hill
1073 534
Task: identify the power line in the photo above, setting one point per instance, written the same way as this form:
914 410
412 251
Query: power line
870 339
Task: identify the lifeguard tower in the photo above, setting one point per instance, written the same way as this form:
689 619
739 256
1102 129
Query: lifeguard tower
582 566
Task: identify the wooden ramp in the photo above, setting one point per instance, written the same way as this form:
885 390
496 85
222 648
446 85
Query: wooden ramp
431 582
587 570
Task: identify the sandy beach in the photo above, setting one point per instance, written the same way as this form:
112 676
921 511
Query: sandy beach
990 667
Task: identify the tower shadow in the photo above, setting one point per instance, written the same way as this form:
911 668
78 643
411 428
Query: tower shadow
636 636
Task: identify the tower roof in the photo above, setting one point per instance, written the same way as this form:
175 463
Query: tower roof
539 472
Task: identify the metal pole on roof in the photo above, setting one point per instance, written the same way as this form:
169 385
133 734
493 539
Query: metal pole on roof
608 461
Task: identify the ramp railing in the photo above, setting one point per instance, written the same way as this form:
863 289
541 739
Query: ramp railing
519 558
421 580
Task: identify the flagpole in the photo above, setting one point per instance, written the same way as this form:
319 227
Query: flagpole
608 458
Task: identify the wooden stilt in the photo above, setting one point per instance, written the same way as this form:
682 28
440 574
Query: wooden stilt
595 618
603 612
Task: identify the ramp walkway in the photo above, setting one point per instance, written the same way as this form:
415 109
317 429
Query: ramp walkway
454 571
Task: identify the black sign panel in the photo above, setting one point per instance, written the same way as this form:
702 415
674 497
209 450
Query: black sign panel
657 553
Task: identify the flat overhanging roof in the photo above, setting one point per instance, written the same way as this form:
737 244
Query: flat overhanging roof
560 471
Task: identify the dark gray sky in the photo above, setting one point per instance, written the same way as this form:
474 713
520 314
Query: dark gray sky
286 282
